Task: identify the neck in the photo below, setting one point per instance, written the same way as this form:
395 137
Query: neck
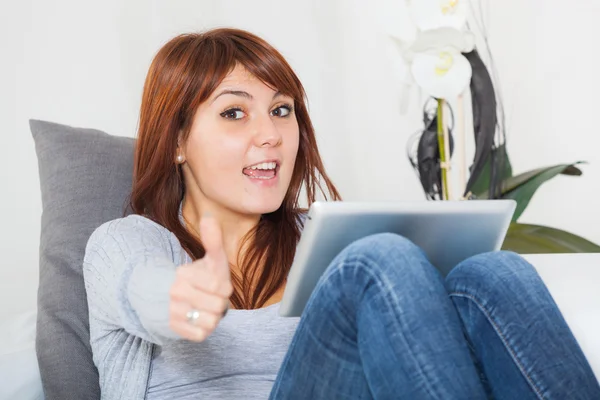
234 226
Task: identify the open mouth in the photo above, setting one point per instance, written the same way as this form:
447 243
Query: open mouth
263 170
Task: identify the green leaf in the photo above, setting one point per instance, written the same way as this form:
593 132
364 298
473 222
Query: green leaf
482 184
523 192
523 186
535 239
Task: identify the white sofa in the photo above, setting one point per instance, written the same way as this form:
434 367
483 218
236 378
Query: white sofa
573 280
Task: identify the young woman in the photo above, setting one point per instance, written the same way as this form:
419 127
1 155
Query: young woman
225 147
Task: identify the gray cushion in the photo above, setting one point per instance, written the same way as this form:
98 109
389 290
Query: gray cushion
85 179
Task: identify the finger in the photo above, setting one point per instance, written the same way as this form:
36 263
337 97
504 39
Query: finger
212 240
199 277
199 299
189 332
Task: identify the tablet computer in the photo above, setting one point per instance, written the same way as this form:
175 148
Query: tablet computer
447 231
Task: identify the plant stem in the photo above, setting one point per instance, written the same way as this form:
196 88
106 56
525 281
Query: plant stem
442 147
461 145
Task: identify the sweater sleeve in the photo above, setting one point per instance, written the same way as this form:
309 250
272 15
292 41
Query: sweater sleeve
129 267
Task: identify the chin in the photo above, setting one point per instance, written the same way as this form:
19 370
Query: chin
264 207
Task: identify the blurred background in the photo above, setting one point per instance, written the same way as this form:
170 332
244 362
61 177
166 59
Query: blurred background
83 63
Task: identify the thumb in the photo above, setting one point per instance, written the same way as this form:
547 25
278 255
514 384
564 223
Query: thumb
212 240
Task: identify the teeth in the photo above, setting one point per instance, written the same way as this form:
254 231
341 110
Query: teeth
265 165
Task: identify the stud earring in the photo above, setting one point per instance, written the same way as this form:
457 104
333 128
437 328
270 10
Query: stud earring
180 159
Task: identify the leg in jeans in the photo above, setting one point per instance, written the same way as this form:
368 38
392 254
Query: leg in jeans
379 325
520 340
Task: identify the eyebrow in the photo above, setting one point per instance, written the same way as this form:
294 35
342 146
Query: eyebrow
241 93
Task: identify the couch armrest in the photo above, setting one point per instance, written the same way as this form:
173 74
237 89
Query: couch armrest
574 282
18 363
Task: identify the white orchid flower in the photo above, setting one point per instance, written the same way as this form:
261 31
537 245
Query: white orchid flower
442 73
437 64
433 14
430 44
463 41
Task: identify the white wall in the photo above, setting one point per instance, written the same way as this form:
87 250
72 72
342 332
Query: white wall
83 63
547 60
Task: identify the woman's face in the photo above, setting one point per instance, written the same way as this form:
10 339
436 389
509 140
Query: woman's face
242 147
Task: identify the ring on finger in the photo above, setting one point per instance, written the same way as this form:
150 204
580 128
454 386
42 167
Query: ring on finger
192 316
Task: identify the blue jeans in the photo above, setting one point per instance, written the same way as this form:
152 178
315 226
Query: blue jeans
383 324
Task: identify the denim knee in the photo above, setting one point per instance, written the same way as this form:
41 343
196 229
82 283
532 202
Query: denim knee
381 244
386 257
500 272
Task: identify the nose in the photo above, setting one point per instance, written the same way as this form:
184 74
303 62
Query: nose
266 133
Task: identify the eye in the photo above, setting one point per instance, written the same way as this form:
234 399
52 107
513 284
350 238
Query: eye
233 113
282 111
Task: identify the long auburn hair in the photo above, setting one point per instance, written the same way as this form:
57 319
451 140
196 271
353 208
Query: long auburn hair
183 74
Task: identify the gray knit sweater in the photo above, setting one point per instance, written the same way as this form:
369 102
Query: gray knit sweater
129 267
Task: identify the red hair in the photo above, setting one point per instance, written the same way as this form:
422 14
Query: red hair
183 75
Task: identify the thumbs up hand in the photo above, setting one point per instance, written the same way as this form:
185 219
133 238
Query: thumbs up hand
199 297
